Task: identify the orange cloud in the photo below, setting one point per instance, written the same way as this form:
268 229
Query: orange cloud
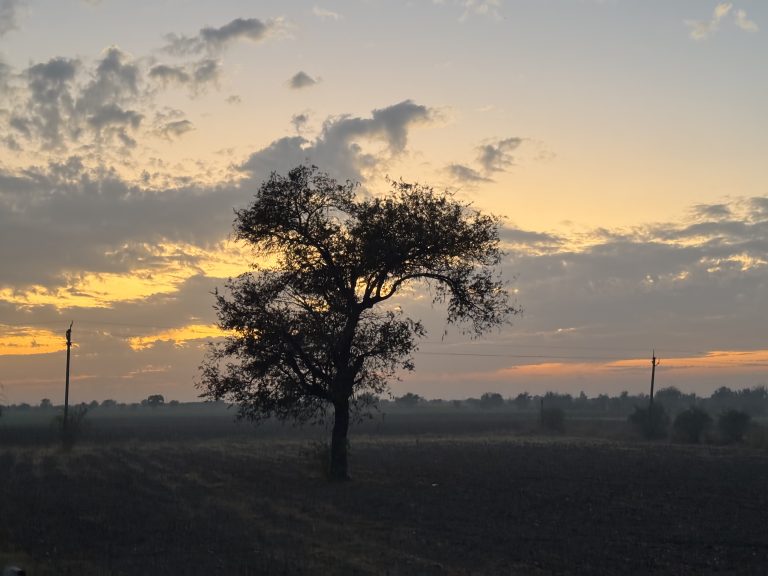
24 341
179 336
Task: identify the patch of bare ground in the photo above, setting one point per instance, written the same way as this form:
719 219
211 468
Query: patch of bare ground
490 504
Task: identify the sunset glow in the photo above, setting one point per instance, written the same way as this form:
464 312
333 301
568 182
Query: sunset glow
621 143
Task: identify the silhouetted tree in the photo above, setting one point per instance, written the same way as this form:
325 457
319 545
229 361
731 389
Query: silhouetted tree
491 400
522 400
602 402
733 425
690 424
652 421
46 404
155 400
409 399
314 325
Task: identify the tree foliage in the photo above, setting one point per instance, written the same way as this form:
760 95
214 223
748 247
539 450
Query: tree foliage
652 422
313 324
690 424
733 425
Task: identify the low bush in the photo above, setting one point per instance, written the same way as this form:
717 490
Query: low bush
690 424
651 422
74 427
733 426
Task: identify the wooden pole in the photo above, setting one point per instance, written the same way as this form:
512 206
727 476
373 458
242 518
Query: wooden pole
66 387
654 363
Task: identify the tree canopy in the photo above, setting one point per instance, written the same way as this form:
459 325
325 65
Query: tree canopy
313 324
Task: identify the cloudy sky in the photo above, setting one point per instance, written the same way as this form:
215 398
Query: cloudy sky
622 141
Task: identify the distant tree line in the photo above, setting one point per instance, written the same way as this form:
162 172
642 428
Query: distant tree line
152 401
752 401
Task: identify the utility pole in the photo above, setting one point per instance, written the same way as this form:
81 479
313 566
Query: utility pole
66 388
654 363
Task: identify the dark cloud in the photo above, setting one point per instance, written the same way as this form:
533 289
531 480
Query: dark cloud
676 286
300 121
114 81
759 206
57 110
339 147
67 217
301 80
196 75
715 211
279 156
497 156
170 74
213 40
5 73
112 115
206 71
493 156
465 174
529 239
9 15
175 129
51 103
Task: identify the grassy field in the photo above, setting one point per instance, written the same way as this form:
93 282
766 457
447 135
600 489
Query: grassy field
431 494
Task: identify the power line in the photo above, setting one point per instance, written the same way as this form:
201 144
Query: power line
635 354
540 356
93 323
568 347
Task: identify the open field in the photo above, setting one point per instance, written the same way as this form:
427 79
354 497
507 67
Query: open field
445 494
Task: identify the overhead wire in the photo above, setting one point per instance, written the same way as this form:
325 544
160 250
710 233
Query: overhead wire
635 354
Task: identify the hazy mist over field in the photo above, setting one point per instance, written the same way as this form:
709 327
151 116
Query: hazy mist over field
623 143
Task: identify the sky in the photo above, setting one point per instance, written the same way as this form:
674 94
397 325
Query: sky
622 142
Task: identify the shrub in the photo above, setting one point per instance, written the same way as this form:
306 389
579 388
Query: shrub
553 419
491 400
689 425
409 399
75 426
651 422
733 425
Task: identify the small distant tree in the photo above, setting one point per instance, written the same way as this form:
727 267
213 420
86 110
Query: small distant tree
155 400
317 325
522 400
491 400
46 404
733 425
109 403
409 399
690 424
602 402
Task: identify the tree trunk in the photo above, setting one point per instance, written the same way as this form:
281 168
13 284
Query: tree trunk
339 440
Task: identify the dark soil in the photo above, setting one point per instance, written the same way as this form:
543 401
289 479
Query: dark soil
448 504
